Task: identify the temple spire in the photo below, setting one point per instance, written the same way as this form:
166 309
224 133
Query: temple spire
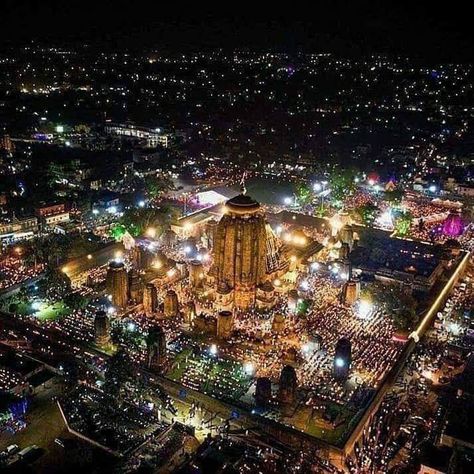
243 189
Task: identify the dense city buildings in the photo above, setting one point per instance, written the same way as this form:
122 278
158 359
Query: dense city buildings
232 258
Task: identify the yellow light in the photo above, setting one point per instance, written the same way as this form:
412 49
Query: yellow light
277 282
444 292
293 258
151 232
64 269
118 255
89 257
170 272
157 264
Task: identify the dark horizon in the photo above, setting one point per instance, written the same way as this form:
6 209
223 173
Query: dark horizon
421 30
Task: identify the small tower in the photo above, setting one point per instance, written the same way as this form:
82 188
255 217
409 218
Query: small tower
101 328
225 322
263 391
171 304
278 323
156 347
150 299
117 283
288 385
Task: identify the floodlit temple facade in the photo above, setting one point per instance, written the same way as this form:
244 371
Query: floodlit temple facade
246 257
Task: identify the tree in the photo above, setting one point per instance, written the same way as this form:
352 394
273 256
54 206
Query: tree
56 284
75 301
403 222
119 372
137 221
157 185
367 213
303 194
394 196
342 184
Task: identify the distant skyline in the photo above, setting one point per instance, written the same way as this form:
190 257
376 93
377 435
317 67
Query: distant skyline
422 28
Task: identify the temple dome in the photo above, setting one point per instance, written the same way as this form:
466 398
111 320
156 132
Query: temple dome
242 204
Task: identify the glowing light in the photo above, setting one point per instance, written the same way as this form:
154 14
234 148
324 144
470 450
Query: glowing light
64 269
95 211
187 249
112 210
151 232
141 203
249 368
277 282
314 266
170 272
89 257
365 308
371 182
304 285
157 264
131 326
111 310
213 349
118 256
279 229
287 201
317 187
454 329
432 188
59 128
36 305
340 362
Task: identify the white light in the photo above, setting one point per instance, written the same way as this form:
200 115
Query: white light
68 143
95 211
386 218
304 285
314 266
112 210
340 362
141 203
317 187
365 307
131 326
36 305
306 348
287 201
432 188
279 229
248 368
213 349
455 329
111 310
187 249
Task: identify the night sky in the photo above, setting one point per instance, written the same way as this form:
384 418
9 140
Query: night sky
419 28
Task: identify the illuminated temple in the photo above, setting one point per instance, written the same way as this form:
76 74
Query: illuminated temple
247 257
